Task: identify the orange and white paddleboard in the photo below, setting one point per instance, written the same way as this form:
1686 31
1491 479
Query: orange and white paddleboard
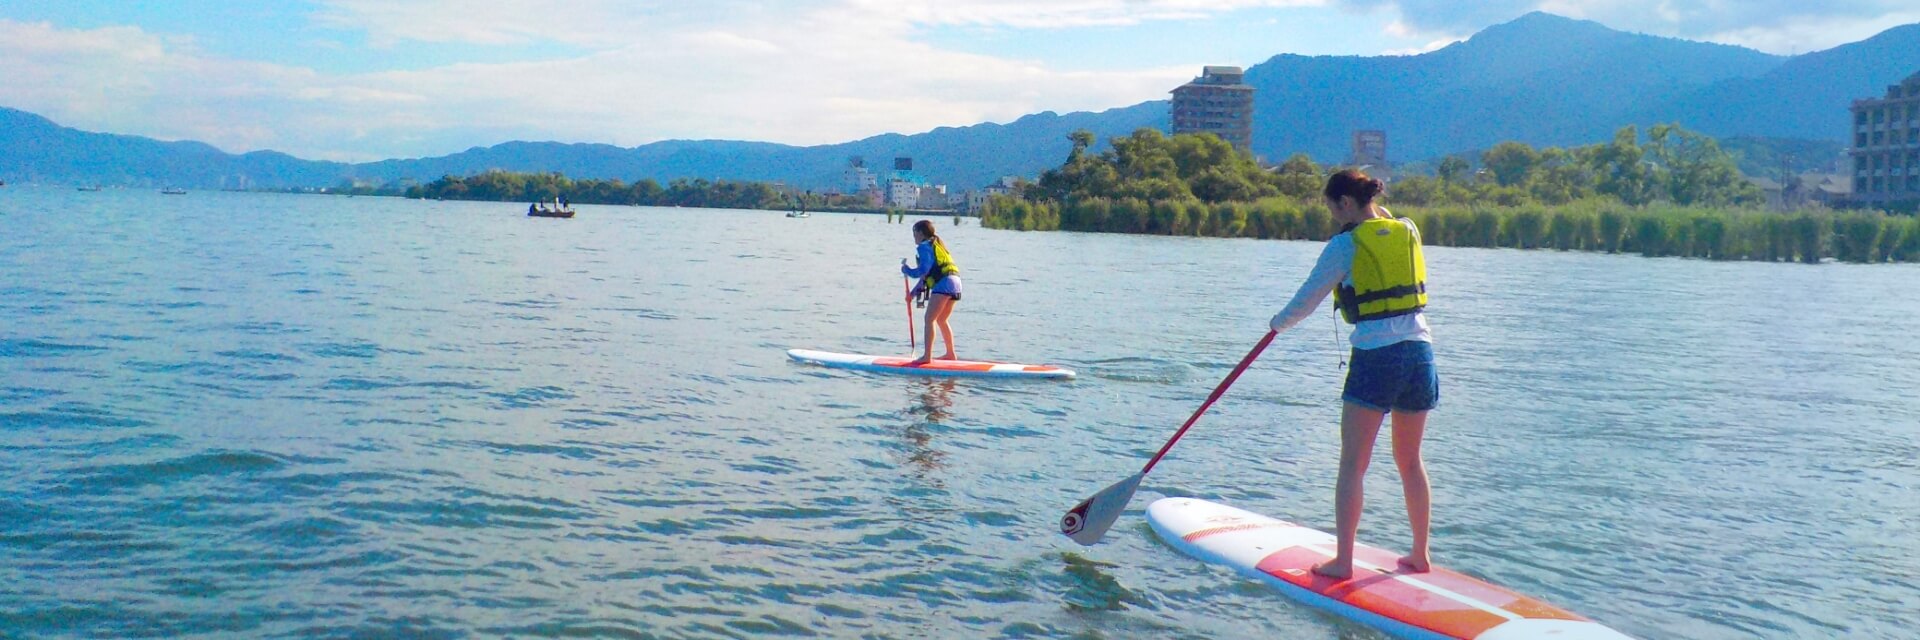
1436 605
896 364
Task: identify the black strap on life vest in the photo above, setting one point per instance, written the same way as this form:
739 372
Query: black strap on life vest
1402 290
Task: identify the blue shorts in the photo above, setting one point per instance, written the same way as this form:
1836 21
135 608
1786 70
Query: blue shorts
1396 377
949 286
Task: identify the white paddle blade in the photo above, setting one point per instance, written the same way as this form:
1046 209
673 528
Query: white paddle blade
1090 520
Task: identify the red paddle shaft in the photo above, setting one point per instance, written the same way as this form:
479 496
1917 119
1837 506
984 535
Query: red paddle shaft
907 286
1217 391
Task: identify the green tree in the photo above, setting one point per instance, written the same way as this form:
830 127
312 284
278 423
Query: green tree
1561 176
1082 140
1622 169
1510 162
1694 170
1299 177
1453 168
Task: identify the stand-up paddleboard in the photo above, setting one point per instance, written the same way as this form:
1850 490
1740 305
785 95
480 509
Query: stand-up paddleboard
896 364
1437 605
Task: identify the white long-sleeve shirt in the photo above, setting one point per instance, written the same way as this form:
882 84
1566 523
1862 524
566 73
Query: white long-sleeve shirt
1333 268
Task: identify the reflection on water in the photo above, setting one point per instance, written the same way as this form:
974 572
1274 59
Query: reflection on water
934 404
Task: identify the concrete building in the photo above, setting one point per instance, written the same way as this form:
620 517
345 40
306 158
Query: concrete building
857 178
903 194
1369 148
1886 146
977 201
1217 102
931 197
960 201
1370 154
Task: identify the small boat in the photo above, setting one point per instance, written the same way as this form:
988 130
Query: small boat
174 192
799 214
93 188
550 213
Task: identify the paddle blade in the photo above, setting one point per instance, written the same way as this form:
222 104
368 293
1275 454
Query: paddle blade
1090 520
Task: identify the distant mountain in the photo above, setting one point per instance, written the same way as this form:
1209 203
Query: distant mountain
964 157
34 149
1805 97
1541 79
1771 157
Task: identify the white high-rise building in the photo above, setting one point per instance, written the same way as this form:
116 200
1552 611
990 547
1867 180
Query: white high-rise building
903 194
859 179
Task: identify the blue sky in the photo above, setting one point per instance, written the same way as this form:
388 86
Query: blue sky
369 79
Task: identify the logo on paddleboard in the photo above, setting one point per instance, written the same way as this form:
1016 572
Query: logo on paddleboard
1074 521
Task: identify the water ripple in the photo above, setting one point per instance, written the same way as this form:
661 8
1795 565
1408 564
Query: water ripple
471 424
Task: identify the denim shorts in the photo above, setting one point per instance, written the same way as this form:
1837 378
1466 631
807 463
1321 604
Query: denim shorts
1396 377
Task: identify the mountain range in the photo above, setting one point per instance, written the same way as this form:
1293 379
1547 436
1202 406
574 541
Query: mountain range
1540 79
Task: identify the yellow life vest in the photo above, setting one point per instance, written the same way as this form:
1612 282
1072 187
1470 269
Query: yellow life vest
1389 272
943 265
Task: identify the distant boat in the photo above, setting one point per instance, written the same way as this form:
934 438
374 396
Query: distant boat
174 192
92 188
799 214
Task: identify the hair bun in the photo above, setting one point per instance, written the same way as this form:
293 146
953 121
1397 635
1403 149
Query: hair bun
1352 183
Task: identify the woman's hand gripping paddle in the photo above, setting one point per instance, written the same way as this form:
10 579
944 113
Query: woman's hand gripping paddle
1090 520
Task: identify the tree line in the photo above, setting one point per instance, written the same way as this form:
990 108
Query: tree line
506 186
1678 194
1673 165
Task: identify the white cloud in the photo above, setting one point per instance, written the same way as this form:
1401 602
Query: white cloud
1055 14
828 75
1435 45
1775 26
802 72
1814 34
493 22
612 22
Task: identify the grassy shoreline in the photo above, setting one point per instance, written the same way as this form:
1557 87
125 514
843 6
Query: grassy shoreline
1713 233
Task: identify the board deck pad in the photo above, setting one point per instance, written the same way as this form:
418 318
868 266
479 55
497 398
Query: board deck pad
897 364
1439 604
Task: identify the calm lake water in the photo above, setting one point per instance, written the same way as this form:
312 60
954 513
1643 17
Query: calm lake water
273 415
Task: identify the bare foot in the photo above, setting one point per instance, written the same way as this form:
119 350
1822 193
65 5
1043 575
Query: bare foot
919 361
1329 569
949 356
1416 564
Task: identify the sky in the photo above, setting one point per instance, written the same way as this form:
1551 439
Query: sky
359 80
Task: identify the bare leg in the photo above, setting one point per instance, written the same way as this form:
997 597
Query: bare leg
932 316
1358 428
1408 428
946 311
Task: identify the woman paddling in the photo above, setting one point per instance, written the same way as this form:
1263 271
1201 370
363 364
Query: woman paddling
940 279
1377 274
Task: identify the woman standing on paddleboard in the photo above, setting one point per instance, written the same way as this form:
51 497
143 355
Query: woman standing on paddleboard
939 278
1375 269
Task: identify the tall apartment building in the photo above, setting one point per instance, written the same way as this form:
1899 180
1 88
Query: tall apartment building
1369 149
1886 145
858 179
1217 102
